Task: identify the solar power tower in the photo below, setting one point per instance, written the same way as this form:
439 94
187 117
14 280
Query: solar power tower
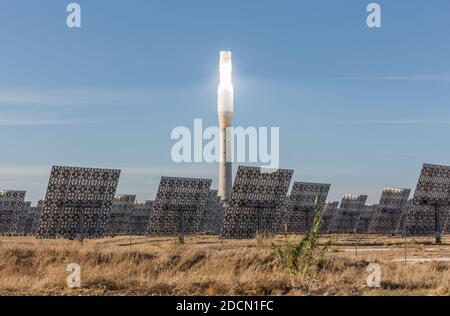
140 217
366 218
12 206
119 218
430 207
328 215
302 203
78 202
179 205
212 220
347 216
388 213
256 201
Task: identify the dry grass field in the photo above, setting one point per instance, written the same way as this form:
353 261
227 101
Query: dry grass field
208 266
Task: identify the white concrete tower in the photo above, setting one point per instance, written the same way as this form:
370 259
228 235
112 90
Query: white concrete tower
225 107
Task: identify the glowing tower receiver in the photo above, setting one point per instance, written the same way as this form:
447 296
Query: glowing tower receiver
225 108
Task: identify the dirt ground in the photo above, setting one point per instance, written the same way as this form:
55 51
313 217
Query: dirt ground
206 265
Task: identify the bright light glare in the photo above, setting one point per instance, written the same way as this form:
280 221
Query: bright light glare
225 67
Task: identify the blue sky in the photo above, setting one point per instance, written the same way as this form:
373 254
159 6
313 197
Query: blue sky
358 108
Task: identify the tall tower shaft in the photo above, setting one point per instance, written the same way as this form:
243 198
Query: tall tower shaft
225 109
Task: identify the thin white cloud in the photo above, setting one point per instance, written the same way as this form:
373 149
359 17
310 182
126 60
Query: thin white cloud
24 171
75 97
407 122
441 78
13 121
181 171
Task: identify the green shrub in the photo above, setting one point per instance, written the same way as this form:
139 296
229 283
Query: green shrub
299 258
